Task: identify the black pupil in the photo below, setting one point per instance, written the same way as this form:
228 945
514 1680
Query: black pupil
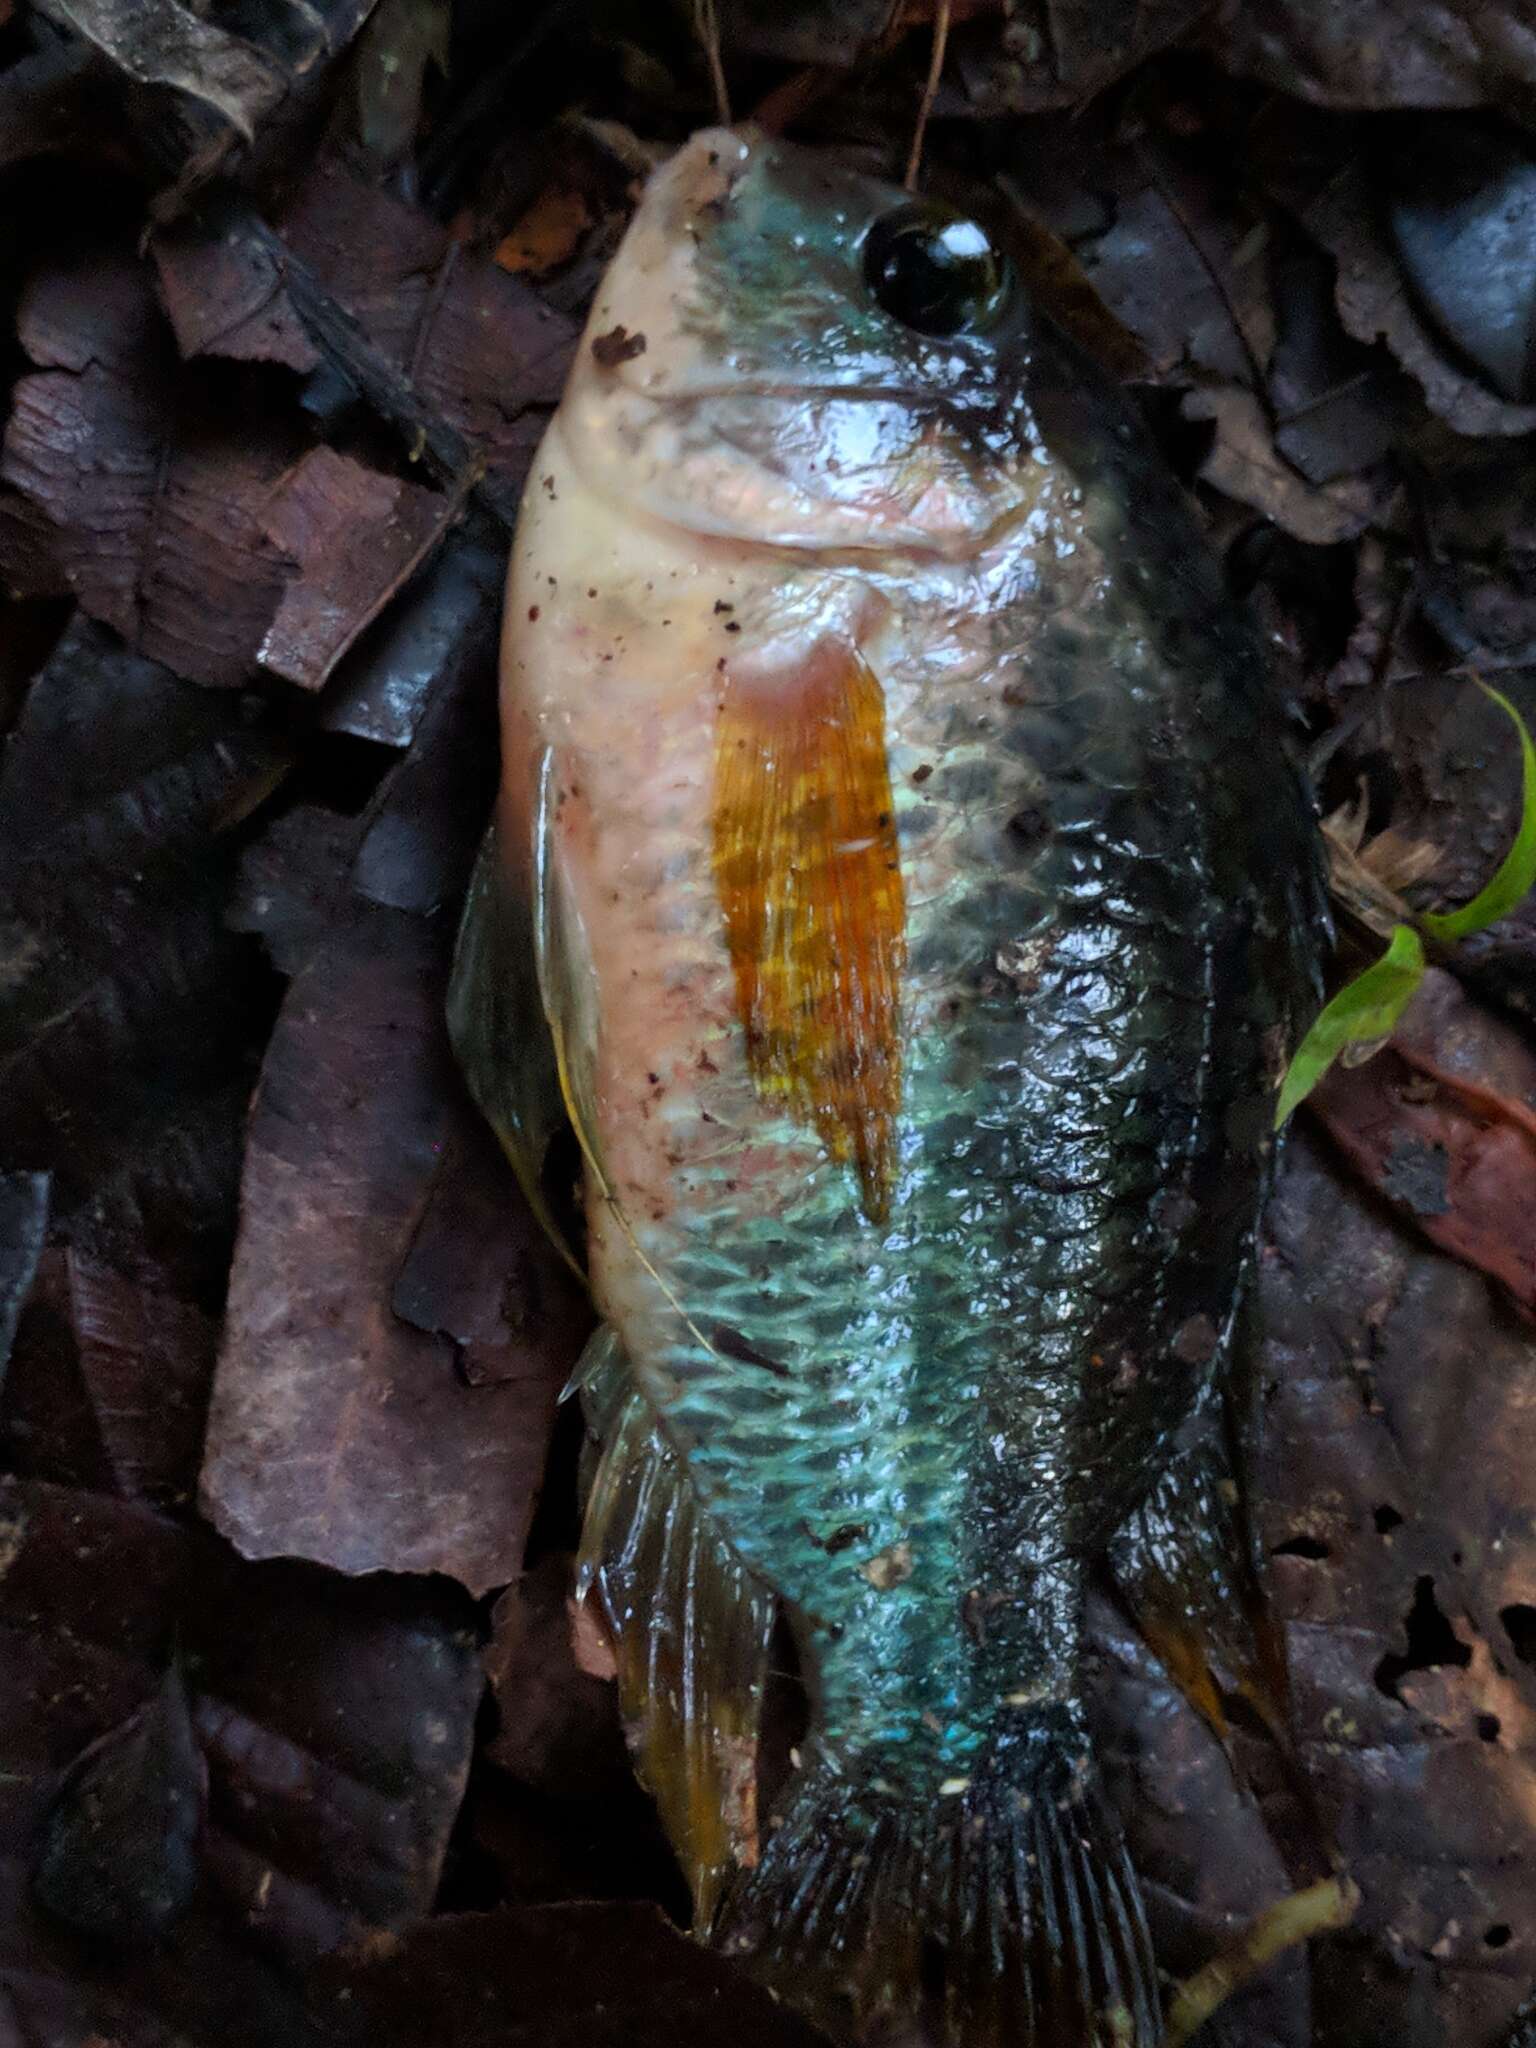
934 272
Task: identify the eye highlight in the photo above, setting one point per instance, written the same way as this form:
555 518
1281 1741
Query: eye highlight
935 271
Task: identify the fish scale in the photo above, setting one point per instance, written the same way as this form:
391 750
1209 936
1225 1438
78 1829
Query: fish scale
923 895
985 1338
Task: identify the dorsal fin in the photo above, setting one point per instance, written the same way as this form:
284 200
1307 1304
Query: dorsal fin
807 866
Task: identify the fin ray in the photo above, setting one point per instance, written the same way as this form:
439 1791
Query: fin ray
498 1029
691 1629
809 874
1030 1901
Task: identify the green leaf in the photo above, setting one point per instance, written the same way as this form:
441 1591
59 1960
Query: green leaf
1365 1008
1517 870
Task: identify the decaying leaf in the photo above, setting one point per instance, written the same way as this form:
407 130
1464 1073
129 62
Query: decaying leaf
216 547
335 1718
572 1976
160 42
338 1432
356 535
1246 463
125 999
110 1379
1443 1124
1380 53
119 1849
1394 1484
23 1221
1375 302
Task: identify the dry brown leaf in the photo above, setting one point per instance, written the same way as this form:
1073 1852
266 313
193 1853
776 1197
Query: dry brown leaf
547 234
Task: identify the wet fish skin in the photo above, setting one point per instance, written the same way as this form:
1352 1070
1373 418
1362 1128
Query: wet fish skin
915 1414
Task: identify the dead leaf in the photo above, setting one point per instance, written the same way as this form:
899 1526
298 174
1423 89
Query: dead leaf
1461 217
1049 53
23 1226
401 39
1193 1830
1378 53
548 233
1375 303
293 881
1186 273
337 1432
126 1000
110 1382
437 632
1396 1470
355 535
159 42
482 1273
1246 464
1334 408
155 513
118 1854
61 103
477 345
573 1976
559 1724
336 1719
1457 1158
1369 876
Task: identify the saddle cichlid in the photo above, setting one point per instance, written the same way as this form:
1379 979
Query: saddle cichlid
900 879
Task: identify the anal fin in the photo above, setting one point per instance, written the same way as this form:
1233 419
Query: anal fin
1185 1567
691 1629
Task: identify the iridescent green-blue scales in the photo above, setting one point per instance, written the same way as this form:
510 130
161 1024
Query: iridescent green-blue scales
965 1402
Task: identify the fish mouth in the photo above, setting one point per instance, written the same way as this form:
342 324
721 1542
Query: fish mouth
790 393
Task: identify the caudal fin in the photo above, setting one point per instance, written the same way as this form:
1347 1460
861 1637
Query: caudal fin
994 1915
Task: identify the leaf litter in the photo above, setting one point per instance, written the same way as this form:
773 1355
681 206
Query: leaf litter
291 298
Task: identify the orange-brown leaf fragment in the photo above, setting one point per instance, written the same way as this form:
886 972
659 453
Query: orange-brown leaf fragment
809 877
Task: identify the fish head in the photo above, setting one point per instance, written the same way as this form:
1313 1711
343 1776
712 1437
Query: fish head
788 352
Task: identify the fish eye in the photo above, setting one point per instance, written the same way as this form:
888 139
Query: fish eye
935 271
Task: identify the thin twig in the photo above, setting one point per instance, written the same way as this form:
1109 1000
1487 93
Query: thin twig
707 22
426 436
1290 1921
930 90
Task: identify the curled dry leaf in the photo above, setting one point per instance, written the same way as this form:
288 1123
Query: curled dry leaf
119 1850
1246 463
338 1432
1378 53
355 535
1443 1124
335 1719
159 42
126 999
1369 877
110 1379
1395 1485
23 1224
569 1976
1376 303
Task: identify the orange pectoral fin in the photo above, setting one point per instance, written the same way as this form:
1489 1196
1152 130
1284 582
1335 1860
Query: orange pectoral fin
809 876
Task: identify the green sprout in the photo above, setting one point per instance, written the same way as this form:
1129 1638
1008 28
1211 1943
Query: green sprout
1369 1007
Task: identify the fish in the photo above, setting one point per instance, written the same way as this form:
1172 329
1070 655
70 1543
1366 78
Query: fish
903 884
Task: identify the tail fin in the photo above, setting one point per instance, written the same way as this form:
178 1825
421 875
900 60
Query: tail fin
992 1916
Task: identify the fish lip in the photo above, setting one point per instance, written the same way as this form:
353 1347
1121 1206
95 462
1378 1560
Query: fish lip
771 389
